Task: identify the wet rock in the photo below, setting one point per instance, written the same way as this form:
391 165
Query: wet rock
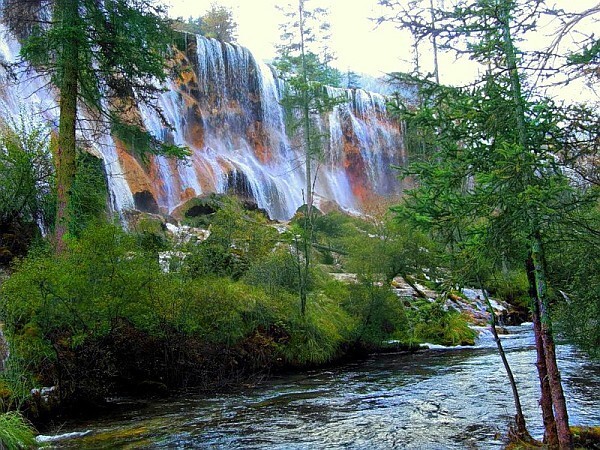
199 207
404 289
184 234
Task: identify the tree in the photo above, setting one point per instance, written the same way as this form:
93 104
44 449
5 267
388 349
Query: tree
352 80
303 65
424 12
26 180
492 169
218 23
104 57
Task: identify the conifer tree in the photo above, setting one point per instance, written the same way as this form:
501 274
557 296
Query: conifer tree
218 23
491 168
303 63
104 57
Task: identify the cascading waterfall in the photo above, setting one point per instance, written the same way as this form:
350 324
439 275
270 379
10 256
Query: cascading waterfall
225 107
28 94
228 112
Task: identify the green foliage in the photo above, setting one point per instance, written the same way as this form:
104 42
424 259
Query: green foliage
26 180
26 173
480 192
432 323
379 314
511 286
394 248
109 57
576 269
89 195
238 237
192 25
275 273
141 143
124 41
15 432
218 23
317 336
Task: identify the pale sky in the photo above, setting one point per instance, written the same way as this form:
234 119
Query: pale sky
358 44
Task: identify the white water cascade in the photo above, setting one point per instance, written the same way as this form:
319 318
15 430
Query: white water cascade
227 111
25 94
225 107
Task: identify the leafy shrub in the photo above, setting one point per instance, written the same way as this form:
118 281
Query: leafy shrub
26 180
432 323
238 238
379 314
510 286
275 273
318 336
89 192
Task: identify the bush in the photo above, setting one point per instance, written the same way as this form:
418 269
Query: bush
70 317
276 272
432 323
318 336
511 286
26 180
89 193
238 239
379 314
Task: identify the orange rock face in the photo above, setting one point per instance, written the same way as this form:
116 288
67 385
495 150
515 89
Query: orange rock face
226 109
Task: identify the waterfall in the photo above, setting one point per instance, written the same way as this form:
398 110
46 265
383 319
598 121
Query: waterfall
225 107
23 91
227 112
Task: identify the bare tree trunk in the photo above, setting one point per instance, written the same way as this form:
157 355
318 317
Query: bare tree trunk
520 431
550 433
565 437
306 112
66 11
436 68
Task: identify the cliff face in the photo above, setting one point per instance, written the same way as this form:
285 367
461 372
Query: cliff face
225 107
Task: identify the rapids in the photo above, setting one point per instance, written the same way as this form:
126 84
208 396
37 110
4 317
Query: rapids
437 399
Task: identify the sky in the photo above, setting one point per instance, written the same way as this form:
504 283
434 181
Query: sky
359 44
355 39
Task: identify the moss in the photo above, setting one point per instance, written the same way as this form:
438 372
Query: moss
584 438
136 436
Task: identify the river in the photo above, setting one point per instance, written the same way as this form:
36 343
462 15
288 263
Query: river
437 399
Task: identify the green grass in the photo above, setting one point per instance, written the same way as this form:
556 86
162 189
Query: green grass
15 432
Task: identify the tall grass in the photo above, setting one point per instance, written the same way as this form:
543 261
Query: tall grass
15 432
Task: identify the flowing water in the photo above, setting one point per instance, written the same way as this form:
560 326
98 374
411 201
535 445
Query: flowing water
437 399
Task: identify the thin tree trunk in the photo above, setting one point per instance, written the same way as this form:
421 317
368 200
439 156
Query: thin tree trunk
550 434
305 112
520 431
65 158
565 437
436 68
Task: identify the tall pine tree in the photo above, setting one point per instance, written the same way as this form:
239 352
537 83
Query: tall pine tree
491 170
104 57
